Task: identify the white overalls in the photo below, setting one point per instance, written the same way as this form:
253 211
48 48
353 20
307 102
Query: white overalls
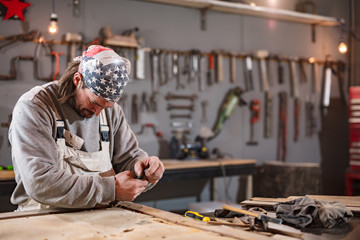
75 161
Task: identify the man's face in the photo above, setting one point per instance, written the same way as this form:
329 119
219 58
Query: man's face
87 104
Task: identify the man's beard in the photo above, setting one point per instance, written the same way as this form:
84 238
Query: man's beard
86 113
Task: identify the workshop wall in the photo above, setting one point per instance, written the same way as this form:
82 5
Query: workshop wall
177 28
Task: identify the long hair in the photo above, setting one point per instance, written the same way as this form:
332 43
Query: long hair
67 89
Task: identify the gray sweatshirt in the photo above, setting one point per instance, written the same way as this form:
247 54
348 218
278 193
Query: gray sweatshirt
34 154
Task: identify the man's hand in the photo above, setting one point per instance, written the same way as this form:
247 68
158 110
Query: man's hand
127 187
155 169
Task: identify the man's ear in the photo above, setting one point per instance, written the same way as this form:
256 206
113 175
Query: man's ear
77 79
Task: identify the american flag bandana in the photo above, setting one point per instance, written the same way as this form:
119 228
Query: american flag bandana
104 72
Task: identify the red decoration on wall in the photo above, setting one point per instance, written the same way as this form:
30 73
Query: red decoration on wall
14 7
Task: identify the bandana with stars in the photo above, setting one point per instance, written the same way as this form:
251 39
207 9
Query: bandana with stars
104 72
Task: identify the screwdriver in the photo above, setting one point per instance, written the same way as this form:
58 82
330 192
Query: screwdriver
196 216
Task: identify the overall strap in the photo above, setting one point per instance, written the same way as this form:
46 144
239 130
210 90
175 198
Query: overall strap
104 127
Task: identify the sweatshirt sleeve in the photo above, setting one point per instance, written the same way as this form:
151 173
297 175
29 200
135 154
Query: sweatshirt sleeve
126 150
34 155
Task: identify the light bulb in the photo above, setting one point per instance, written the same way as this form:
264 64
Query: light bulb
342 48
53 27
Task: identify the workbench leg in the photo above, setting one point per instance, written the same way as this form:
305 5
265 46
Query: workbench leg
249 187
213 196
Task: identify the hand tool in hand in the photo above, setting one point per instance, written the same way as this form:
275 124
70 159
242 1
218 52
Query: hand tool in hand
143 176
259 216
255 115
196 216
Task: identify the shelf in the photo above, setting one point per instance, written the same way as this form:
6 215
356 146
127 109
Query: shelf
257 11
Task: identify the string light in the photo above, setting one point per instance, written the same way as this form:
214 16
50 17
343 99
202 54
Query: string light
53 27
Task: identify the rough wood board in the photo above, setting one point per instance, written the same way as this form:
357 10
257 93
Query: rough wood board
171 164
111 223
177 219
348 201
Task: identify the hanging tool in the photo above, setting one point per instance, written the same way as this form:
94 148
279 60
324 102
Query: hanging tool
326 86
282 129
57 57
140 63
219 66
248 74
154 59
144 105
180 107
211 69
171 96
262 55
202 70
196 216
268 114
226 109
297 107
303 75
255 115
153 103
232 67
294 91
294 82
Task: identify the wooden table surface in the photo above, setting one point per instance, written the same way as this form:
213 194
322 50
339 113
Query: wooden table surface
126 221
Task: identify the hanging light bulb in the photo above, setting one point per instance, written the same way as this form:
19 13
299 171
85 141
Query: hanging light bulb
342 47
53 27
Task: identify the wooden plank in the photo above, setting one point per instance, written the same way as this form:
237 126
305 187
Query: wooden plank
184 221
110 223
171 164
7 175
348 201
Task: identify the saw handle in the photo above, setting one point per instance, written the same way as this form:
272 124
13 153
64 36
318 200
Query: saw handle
239 210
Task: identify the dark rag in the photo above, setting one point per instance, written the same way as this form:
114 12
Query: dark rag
301 212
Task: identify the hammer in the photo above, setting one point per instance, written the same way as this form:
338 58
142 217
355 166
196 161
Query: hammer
259 216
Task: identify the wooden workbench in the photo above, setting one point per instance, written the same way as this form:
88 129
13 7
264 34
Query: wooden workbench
6 175
180 174
189 177
125 221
